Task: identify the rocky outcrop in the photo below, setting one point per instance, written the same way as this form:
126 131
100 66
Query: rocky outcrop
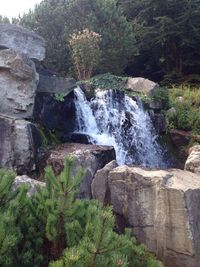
18 83
18 144
100 188
55 96
31 183
193 161
63 120
141 85
90 157
162 208
22 41
53 84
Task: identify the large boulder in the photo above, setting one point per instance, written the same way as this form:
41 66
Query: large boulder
162 208
100 188
17 144
90 157
141 85
18 83
193 161
22 41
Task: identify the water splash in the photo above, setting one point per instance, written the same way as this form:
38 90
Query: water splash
114 119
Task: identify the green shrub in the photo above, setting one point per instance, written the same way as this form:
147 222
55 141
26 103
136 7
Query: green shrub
186 101
107 81
54 228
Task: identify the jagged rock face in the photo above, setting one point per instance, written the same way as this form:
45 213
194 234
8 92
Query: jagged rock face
193 161
142 85
17 144
22 41
90 157
163 209
18 83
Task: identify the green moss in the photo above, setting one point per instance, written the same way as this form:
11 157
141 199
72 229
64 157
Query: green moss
107 81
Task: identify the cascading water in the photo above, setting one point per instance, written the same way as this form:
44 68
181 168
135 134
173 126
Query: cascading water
114 119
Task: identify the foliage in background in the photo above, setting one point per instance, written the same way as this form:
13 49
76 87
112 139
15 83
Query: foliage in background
57 20
85 52
186 101
4 19
54 228
168 37
107 18
48 19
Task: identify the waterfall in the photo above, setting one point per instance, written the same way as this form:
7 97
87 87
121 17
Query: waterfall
114 119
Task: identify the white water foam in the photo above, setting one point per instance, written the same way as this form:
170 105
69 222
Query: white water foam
113 119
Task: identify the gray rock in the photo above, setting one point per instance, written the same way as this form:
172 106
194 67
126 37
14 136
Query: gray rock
31 183
57 85
90 157
100 189
18 83
159 122
192 163
17 148
163 209
142 85
22 41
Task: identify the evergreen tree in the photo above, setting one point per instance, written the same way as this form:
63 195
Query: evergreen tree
54 228
168 34
57 20
11 206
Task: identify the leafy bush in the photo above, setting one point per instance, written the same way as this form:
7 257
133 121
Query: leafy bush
107 81
161 95
85 52
186 101
54 228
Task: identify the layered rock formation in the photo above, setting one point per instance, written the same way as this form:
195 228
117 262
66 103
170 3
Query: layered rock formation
162 208
22 41
18 84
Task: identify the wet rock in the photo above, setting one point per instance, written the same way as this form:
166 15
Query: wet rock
163 209
179 137
159 122
77 138
192 163
17 144
56 115
90 157
22 41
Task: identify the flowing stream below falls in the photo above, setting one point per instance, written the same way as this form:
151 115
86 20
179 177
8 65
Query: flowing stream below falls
114 119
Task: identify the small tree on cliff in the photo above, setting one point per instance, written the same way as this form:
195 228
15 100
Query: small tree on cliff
85 52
